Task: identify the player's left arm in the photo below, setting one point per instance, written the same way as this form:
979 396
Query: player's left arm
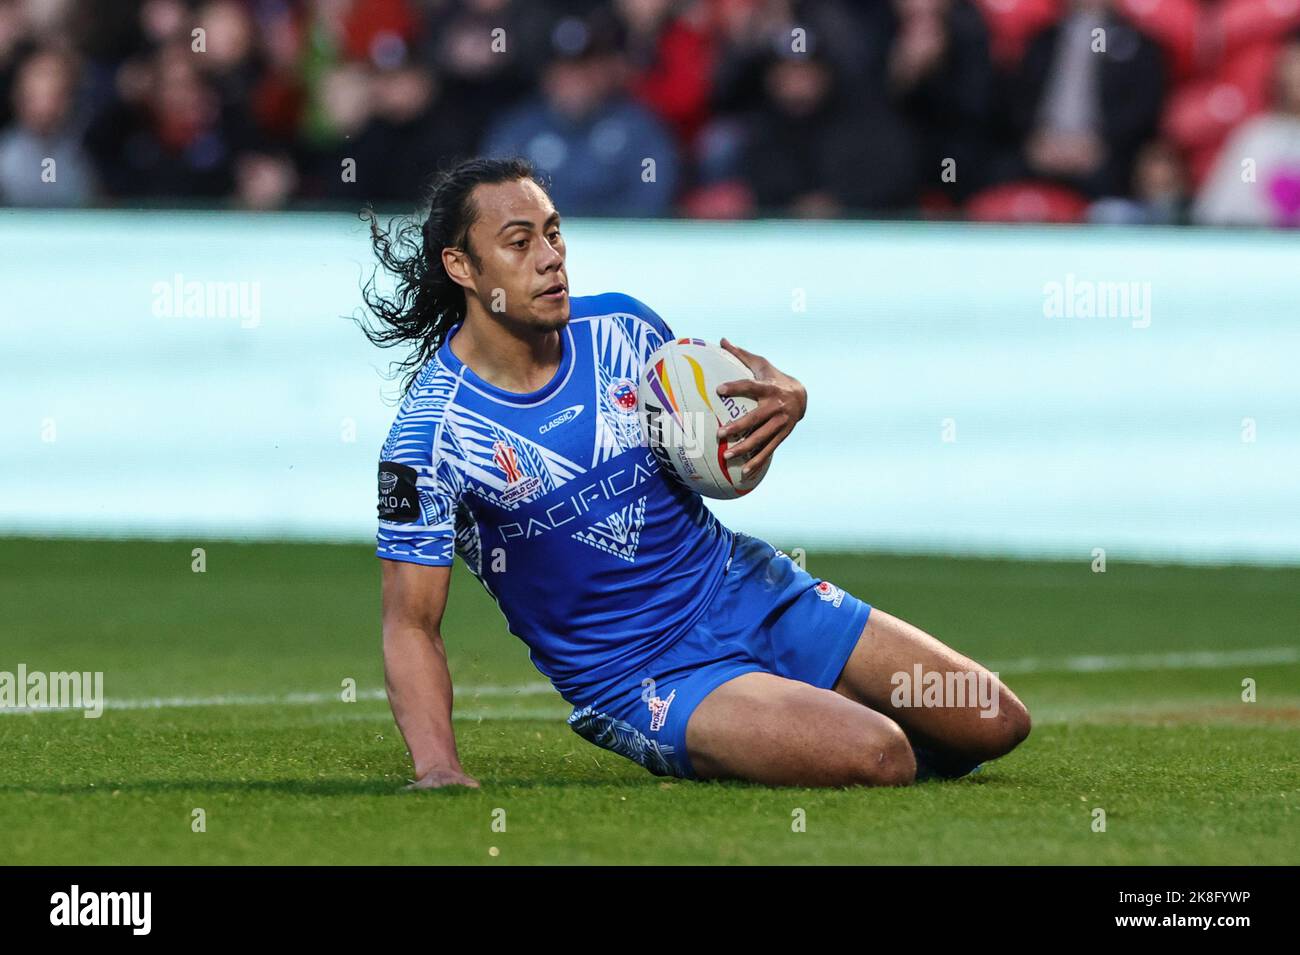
782 402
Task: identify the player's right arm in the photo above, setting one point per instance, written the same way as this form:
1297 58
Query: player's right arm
415 670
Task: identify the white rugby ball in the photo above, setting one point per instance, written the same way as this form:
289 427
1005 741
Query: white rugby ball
681 410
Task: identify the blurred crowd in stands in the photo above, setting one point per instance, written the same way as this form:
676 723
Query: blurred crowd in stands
1118 111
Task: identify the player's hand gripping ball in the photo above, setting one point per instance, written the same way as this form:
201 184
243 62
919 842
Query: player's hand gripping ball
681 411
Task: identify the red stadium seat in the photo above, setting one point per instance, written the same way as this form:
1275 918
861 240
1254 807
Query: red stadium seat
1242 23
936 205
723 200
1251 69
1200 162
369 25
1027 202
1177 25
1012 23
1203 112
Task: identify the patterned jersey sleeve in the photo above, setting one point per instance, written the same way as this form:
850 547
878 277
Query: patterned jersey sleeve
417 514
417 490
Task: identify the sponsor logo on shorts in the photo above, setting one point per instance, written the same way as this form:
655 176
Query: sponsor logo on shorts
659 711
830 593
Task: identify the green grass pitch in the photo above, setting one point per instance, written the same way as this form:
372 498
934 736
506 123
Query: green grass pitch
249 658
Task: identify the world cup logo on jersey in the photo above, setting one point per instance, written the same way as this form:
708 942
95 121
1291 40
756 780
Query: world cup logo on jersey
507 461
518 484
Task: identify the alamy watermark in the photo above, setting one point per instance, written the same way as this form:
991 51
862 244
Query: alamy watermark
56 690
182 298
1085 298
77 907
945 689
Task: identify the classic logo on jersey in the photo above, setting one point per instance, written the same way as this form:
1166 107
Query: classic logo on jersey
622 395
518 484
830 593
659 711
399 502
564 417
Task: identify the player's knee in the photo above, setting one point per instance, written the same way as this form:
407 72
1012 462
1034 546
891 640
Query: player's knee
1023 724
887 761
1009 728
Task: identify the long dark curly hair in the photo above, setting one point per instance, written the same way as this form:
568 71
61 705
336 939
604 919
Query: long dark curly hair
426 303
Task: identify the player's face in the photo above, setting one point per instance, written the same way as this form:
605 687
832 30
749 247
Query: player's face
518 244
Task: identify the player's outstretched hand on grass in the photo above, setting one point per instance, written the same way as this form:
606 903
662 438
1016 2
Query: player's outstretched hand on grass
782 401
438 778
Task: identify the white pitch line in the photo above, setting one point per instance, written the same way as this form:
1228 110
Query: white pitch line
1182 660
1177 660
285 699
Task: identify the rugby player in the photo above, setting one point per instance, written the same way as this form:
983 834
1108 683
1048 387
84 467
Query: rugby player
695 650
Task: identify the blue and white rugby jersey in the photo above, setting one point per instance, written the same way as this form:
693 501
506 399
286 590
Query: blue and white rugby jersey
597 560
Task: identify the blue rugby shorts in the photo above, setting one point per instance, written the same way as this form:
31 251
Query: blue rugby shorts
769 615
